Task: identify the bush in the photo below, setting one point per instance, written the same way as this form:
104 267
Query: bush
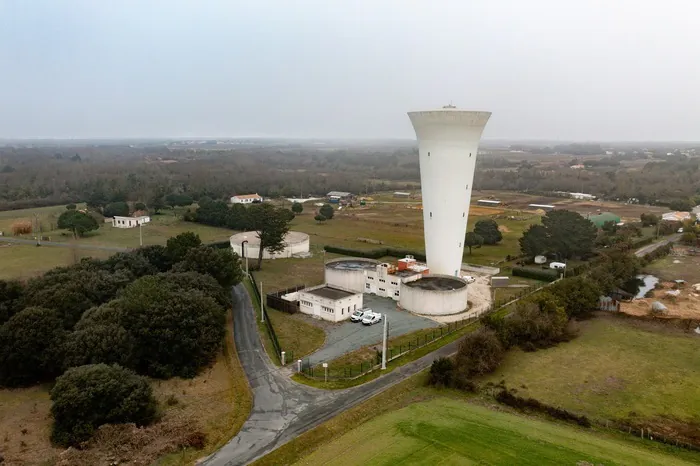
546 275
87 397
375 253
178 246
523 404
327 211
222 264
99 343
441 372
537 322
579 295
11 295
31 347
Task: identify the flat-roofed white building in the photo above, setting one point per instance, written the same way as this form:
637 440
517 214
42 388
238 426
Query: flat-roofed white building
329 303
130 222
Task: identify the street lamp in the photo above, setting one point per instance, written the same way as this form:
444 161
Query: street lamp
245 240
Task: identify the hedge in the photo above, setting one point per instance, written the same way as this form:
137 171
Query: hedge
220 244
375 253
545 275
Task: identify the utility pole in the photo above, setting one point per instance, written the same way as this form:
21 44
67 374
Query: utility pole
262 305
140 234
386 324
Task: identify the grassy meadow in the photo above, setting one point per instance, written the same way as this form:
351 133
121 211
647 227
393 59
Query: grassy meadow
447 431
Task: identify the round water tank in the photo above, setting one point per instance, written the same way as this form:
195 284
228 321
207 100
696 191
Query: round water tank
434 295
295 242
348 273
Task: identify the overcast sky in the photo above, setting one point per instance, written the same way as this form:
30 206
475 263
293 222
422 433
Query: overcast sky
555 69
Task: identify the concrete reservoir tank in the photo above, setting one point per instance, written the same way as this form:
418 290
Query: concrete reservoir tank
349 273
295 242
436 295
448 142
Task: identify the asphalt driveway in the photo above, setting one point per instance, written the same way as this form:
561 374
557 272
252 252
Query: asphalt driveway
348 336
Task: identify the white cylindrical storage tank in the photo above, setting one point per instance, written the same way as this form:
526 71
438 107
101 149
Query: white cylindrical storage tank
349 273
448 142
435 295
295 243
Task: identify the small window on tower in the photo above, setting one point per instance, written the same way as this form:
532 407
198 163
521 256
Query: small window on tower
460 245
431 215
470 154
428 154
462 214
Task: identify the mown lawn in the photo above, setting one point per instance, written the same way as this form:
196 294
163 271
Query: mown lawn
22 261
617 368
448 431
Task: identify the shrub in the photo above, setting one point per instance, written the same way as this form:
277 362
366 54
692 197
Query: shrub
21 227
177 246
537 322
545 275
441 372
375 253
99 343
327 211
86 397
579 295
508 398
11 295
222 264
31 347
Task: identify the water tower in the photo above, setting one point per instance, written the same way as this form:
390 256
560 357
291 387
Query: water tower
448 142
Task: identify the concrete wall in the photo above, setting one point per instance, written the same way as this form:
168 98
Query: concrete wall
252 251
432 302
448 142
348 279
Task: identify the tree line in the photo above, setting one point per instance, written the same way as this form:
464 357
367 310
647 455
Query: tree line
158 311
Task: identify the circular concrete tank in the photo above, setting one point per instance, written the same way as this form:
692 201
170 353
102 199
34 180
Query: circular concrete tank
348 273
435 295
295 242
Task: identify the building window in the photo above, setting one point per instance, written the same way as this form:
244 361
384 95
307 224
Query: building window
467 187
367 286
460 245
382 289
428 154
354 307
462 214
431 215
307 303
470 154
371 278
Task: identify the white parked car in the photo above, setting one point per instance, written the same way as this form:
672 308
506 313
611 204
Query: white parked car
680 230
371 318
557 265
469 278
359 314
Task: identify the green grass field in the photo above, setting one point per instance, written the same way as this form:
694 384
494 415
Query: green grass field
617 368
447 431
22 261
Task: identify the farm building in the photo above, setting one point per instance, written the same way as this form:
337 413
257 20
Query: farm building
329 303
130 222
545 207
582 196
600 219
488 202
246 199
337 196
401 194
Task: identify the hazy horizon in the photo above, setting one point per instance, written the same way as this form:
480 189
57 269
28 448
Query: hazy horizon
587 71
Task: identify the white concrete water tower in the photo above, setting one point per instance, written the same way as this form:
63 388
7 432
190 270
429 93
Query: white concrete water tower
448 142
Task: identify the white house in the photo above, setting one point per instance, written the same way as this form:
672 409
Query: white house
582 196
130 222
329 303
676 216
246 199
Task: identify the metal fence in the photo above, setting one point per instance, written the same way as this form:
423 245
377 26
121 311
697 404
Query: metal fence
268 325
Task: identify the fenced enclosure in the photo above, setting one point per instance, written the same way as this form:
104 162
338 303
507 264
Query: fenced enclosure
275 301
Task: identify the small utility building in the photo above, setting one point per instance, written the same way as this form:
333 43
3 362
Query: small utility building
488 202
600 219
246 199
329 303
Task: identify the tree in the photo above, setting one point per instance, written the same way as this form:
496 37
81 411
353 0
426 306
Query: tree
176 332
649 220
579 295
222 264
87 397
193 281
31 347
178 200
71 207
683 205
479 353
609 227
320 218
179 245
472 239
689 238
537 322
11 299
327 211
157 256
297 207
116 209
77 222
139 206
99 342
271 224
488 229
534 241
441 372
567 234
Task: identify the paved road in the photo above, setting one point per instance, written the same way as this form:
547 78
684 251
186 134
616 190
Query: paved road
654 246
349 336
64 245
283 409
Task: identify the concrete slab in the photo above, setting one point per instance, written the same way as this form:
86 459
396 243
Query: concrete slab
349 336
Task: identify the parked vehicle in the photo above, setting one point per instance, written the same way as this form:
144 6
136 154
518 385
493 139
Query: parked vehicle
557 265
469 278
371 318
359 314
